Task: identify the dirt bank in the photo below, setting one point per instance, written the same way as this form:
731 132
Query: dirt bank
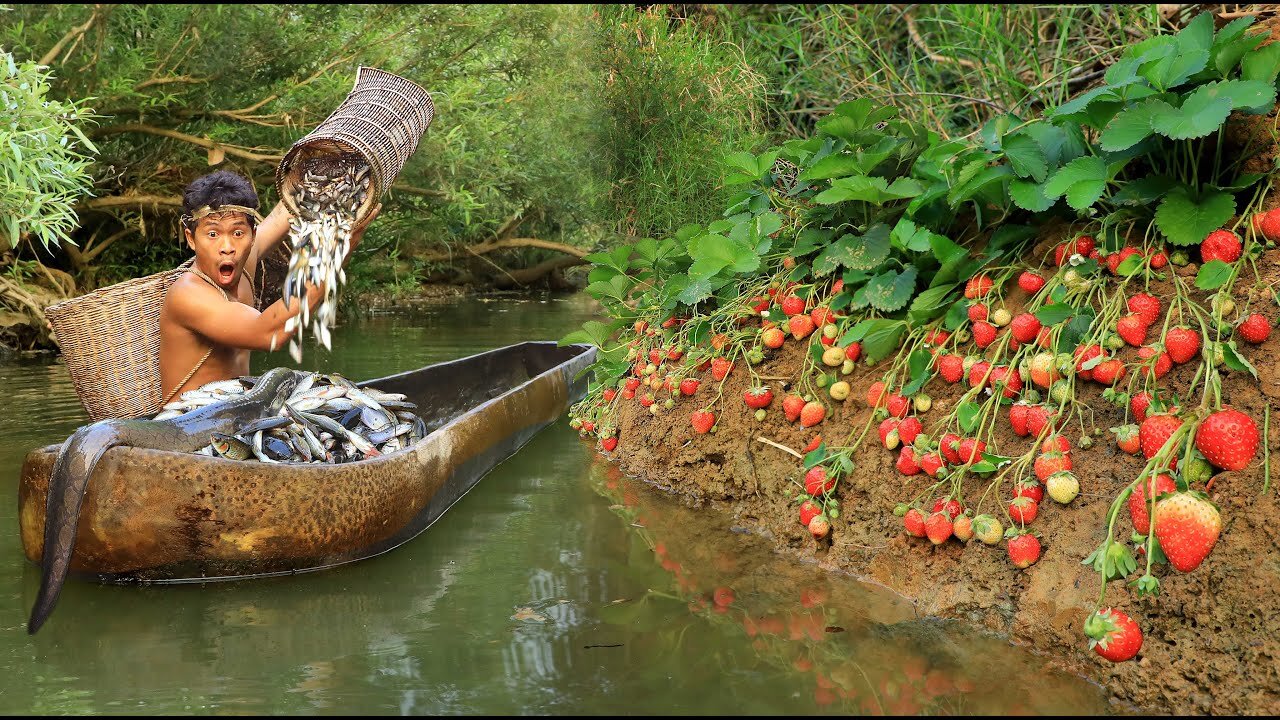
1212 637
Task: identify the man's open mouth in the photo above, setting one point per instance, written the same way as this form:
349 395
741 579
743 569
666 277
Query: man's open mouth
226 270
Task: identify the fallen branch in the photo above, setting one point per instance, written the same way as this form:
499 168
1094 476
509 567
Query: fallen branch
491 245
781 447
528 276
112 201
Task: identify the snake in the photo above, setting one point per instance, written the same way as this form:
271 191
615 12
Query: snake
79 456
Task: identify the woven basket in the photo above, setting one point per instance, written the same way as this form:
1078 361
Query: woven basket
110 339
381 120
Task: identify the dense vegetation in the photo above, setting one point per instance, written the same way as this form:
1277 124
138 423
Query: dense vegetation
559 130
874 239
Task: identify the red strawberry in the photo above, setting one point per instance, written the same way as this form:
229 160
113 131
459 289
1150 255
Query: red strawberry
1127 439
963 528
609 394
1008 379
656 356
1043 370
800 326
899 407
821 316
1113 635
1028 488
1182 344
688 386
1155 431
1228 439
889 436
1024 550
1145 305
1159 260
1023 510
1108 372
1018 418
628 394
1025 327
1161 364
808 510
938 527
792 405
977 312
1038 417
907 464
813 444
978 374
1114 259
720 368
950 447
971 450
937 337
908 429
1052 462
1138 405
1271 225
931 463
1220 245
816 481
1132 329
1044 338
759 303
675 353
812 413
702 421
977 287
772 338
913 521
1055 443
1139 502
984 333
949 506
757 397
792 305
877 395
646 399
1187 526
1030 282
819 526
854 351
951 368
632 383
1255 329
609 443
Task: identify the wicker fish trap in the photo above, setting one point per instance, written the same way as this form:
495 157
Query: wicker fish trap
380 122
110 339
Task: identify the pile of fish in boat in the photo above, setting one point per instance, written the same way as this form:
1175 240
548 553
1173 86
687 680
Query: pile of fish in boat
328 198
327 419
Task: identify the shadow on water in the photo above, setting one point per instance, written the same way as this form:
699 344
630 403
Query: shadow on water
555 586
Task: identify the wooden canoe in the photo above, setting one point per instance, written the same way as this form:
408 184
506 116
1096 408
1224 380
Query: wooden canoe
160 516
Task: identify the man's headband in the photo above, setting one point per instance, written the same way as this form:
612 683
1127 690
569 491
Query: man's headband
206 211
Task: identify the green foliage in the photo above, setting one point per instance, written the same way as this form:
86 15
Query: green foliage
43 166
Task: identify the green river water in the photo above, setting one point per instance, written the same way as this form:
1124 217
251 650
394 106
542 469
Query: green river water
556 586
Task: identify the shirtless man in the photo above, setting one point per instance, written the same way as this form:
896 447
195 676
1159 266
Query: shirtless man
208 323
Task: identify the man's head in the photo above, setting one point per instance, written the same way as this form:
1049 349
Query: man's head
219 218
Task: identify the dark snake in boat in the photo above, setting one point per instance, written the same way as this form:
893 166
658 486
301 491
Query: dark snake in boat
81 452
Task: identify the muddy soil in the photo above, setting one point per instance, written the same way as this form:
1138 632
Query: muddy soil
1212 637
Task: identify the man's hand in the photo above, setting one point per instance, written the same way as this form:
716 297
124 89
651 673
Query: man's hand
358 233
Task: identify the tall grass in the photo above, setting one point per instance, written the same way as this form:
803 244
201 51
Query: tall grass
950 67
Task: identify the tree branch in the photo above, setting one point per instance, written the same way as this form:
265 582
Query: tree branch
73 33
113 201
425 192
205 143
531 275
168 80
489 246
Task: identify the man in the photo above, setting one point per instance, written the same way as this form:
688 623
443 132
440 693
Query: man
208 323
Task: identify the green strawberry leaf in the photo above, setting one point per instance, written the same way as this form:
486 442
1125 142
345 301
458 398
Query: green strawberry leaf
1130 266
1054 314
866 252
1201 114
929 304
1233 359
883 338
957 315
1132 125
873 189
1086 171
1112 560
1030 196
1262 64
1026 156
1187 222
890 291
968 415
1213 275
816 456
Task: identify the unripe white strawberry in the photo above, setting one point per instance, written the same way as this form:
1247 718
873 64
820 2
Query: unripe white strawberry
1063 486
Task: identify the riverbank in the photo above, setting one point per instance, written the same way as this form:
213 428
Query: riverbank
1212 637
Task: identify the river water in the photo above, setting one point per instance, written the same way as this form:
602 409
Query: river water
556 586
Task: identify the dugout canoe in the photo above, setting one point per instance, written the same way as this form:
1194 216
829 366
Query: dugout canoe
156 516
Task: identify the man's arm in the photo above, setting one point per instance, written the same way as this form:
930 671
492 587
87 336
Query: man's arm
274 228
